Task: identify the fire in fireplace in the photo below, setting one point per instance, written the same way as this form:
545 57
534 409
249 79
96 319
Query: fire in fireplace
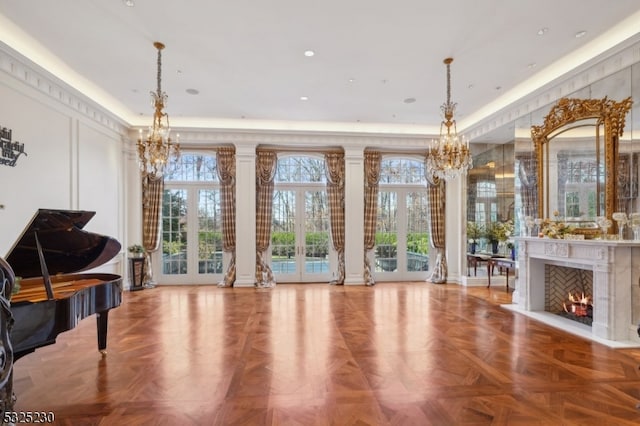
568 293
579 305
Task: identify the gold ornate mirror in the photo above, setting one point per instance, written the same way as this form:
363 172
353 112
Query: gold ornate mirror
577 158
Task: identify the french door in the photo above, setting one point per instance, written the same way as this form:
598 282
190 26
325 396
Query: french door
301 248
191 246
402 239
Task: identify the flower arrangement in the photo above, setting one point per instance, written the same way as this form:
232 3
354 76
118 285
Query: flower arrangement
499 231
474 231
136 249
555 228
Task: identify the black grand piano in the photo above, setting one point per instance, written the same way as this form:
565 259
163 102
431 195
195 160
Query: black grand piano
53 296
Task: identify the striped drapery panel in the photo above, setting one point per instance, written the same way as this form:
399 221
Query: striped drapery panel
627 172
527 172
472 196
266 163
226 161
335 191
152 189
563 178
372 162
437 197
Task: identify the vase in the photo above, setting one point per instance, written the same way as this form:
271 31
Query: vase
513 253
494 247
472 247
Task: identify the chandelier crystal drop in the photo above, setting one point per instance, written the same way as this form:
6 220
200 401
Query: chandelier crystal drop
156 151
449 155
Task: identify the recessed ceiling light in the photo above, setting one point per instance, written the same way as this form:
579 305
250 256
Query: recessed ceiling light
351 80
304 98
498 87
531 65
192 91
409 100
580 34
543 31
470 86
309 53
129 3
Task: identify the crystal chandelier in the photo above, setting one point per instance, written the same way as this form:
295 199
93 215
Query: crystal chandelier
157 149
449 155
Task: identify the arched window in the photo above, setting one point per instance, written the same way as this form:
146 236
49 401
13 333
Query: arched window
405 171
191 167
300 169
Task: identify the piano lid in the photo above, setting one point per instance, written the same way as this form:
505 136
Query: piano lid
67 248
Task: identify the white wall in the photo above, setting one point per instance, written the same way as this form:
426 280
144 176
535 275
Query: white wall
42 179
74 156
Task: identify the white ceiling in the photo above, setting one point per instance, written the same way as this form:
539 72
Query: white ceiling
245 57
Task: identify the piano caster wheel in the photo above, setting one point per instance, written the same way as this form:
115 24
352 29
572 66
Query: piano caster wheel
103 352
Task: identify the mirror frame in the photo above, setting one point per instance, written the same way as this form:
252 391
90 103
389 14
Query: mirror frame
566 111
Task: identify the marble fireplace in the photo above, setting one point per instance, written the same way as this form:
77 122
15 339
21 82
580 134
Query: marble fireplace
609 269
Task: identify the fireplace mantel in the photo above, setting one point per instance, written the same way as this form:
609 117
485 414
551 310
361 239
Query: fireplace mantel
616 281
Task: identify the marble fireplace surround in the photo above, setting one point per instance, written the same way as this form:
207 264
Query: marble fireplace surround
616 285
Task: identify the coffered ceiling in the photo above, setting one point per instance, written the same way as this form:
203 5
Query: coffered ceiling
376 65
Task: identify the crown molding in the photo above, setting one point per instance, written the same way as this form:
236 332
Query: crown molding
582 77
19 68
199 138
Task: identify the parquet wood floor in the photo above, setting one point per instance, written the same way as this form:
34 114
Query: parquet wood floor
314 354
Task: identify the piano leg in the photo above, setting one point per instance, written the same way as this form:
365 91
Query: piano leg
101 321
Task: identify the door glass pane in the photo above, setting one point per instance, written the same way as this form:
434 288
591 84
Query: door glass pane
174 232
283 236
209 232
417 232
316 232
386 258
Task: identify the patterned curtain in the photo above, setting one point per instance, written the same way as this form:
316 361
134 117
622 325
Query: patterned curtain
266 164
527 172
437 198
472 196
226 160
152 189
563 178
627 172
372 160
335 189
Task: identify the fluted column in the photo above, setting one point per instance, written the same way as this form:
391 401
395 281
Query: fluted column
245 215
354 212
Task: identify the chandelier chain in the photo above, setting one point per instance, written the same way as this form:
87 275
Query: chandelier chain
448 82
159 71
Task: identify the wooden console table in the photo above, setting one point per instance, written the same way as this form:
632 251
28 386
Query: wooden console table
502 263
473 259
